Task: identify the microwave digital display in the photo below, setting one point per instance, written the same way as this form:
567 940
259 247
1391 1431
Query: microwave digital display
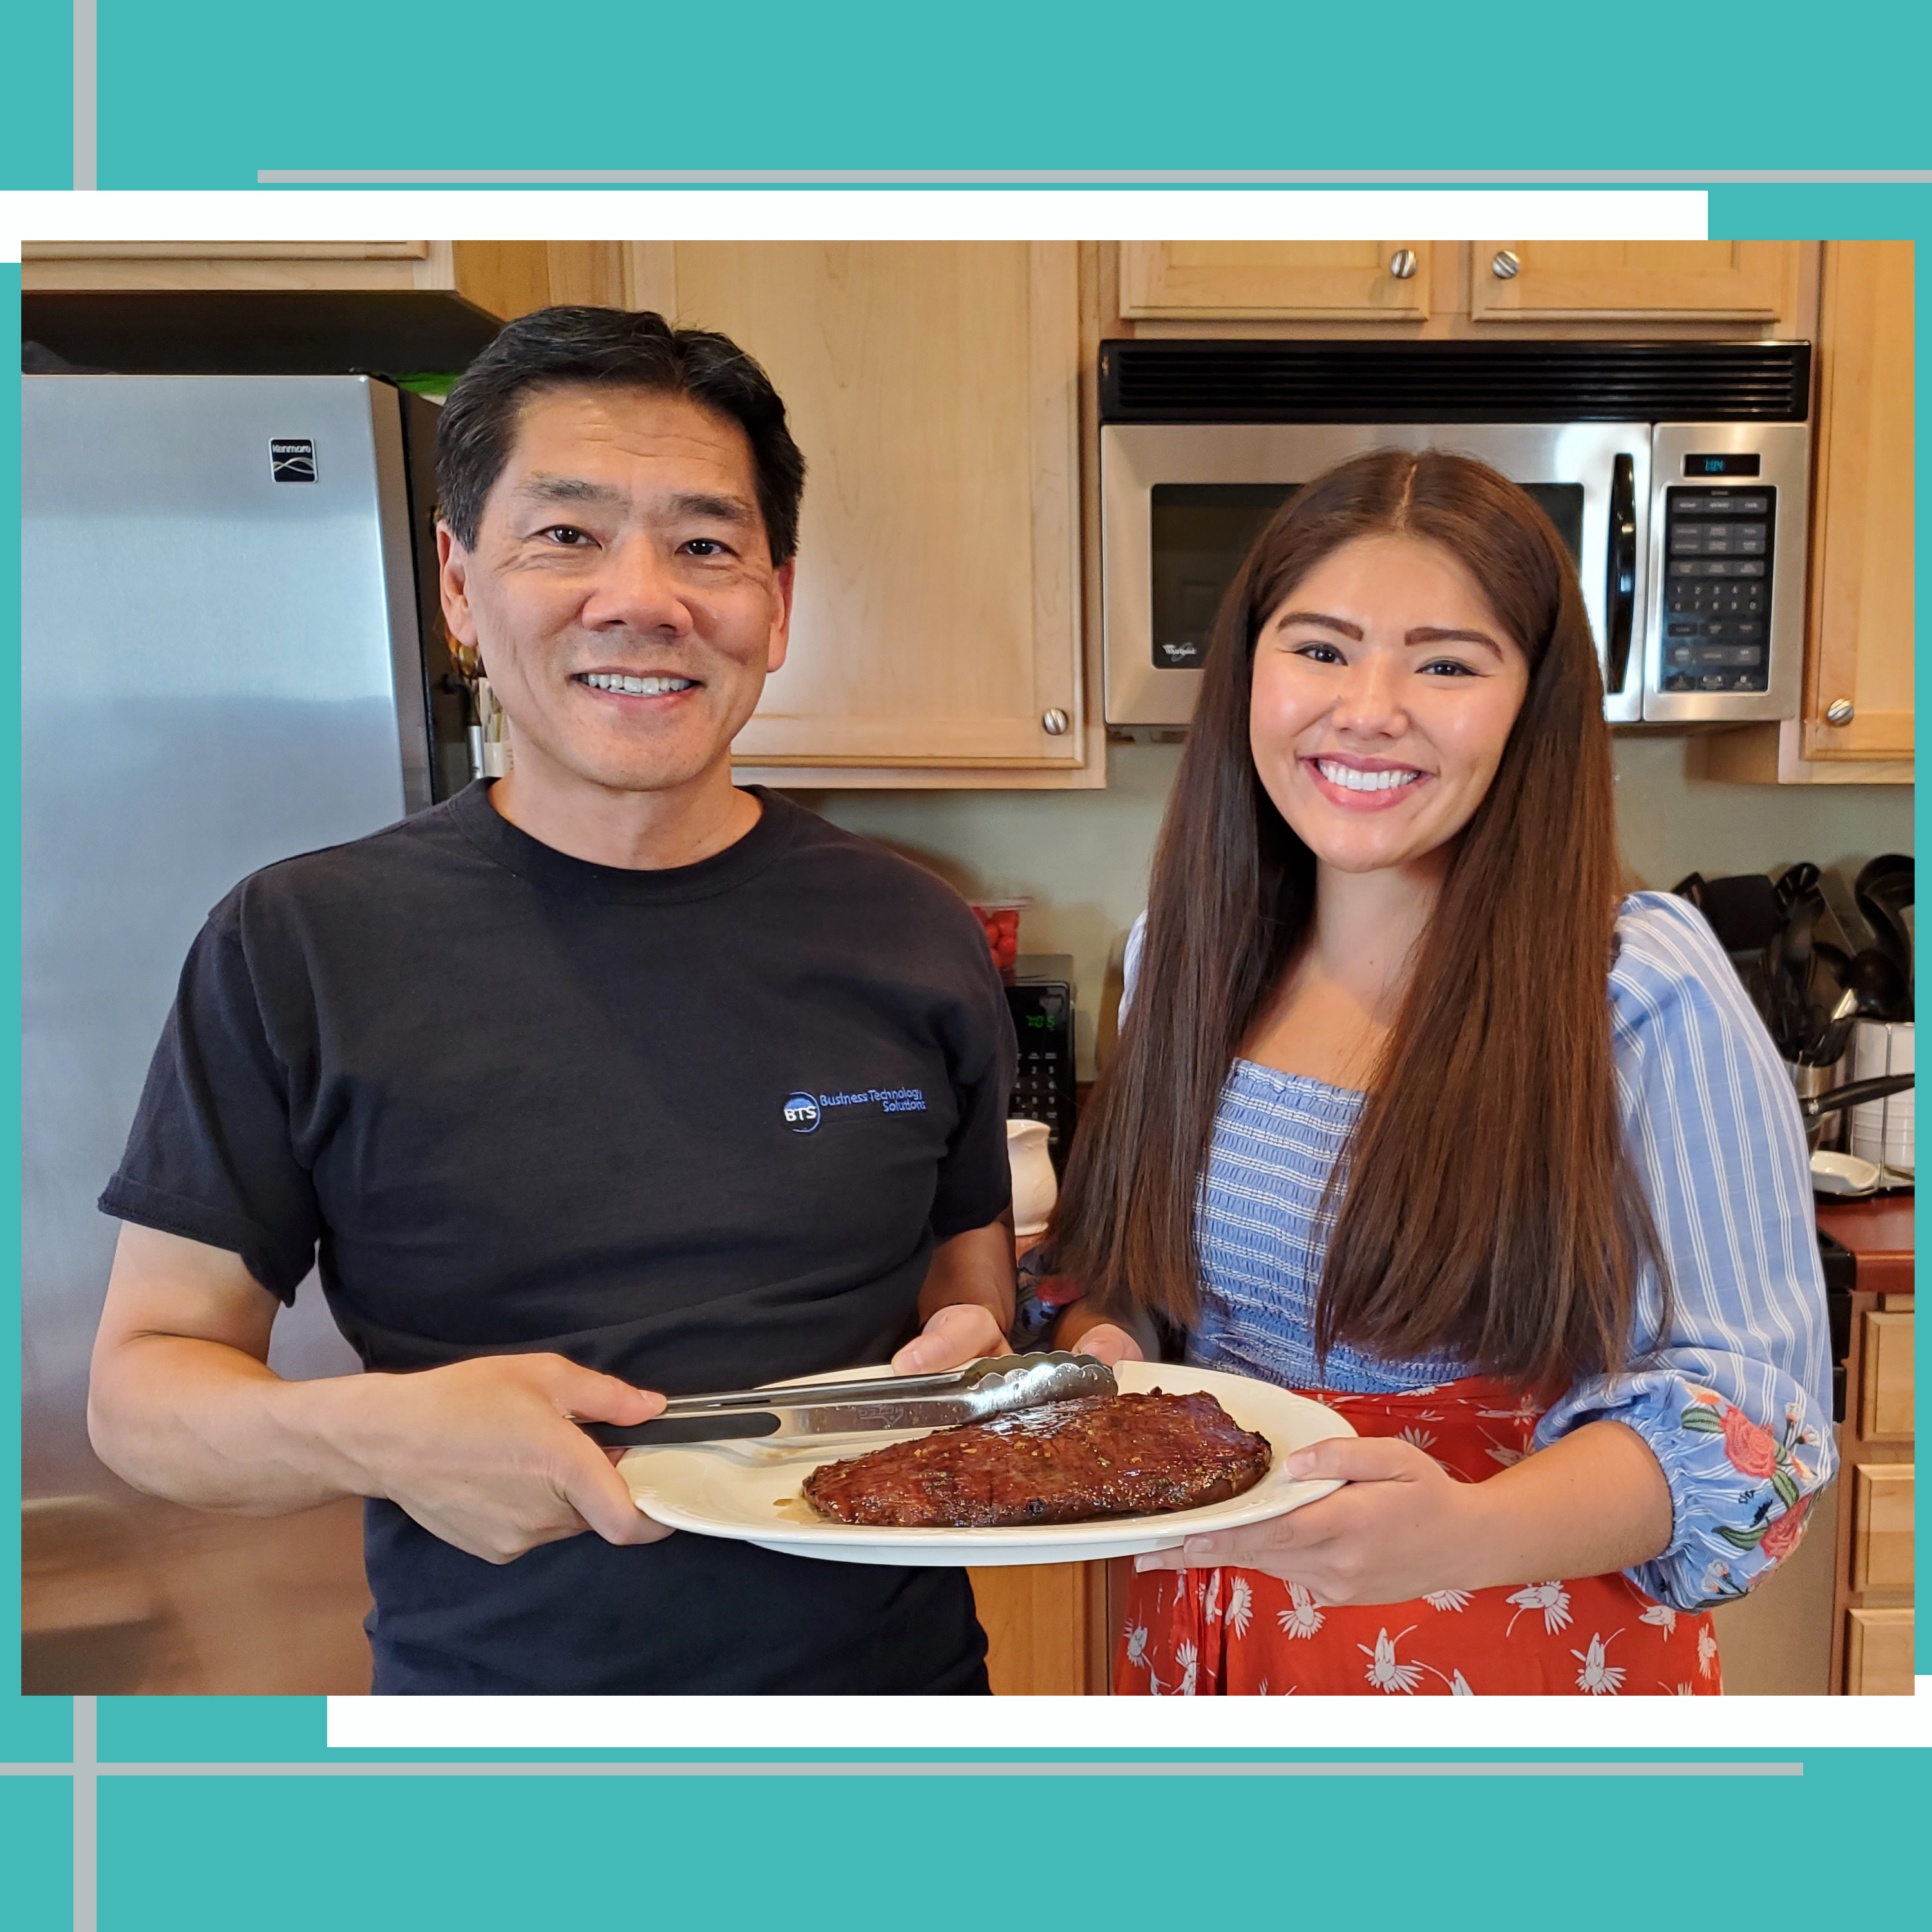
1200 532
1726 462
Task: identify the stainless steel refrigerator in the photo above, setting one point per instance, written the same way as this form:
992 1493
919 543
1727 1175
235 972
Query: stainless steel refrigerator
229 654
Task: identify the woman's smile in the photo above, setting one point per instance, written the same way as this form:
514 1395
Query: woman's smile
1364 784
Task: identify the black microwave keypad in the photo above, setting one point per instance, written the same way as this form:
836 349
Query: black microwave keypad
1043 1088
1716 597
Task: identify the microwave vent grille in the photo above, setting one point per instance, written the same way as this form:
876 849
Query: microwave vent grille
1249 381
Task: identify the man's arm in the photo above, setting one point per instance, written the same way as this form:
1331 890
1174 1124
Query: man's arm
967 1305
485 1454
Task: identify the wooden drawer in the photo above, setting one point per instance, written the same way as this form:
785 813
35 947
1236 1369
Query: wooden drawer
1885 1377
1878 1654
1882 1545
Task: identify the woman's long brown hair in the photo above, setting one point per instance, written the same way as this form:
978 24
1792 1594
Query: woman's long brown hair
1491 1210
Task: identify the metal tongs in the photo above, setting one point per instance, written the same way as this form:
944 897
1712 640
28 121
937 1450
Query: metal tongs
994 1385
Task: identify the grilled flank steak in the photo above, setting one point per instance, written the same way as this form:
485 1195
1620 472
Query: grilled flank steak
1066 1462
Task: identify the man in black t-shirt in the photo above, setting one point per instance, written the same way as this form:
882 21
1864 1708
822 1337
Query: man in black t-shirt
523 1074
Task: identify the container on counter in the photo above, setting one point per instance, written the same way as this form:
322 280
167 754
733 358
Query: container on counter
1035 1188
1882 1130
999 919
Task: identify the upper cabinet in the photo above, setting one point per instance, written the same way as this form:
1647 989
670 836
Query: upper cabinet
1857 722
934 389
506 278
1754 282
1858 684
1286 281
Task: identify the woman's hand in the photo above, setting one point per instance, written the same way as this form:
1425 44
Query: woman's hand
1109 1343
956 1335
1401 1526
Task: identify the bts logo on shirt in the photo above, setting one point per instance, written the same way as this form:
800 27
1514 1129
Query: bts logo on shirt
801 1113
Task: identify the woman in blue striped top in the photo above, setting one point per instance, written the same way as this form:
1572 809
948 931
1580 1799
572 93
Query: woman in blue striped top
1415 1111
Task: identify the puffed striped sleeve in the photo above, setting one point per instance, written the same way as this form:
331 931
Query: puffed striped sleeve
1735 1400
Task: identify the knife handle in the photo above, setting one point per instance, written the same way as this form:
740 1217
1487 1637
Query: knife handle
664 1428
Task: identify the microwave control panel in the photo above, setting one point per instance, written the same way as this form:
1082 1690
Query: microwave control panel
1717 598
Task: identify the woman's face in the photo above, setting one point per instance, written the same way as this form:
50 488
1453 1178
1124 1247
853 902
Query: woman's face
1384 689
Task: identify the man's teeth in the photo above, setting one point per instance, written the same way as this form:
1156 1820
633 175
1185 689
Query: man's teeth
1351 780
636 687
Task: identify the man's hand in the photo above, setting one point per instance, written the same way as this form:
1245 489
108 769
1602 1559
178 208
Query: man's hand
487 1454
961 1333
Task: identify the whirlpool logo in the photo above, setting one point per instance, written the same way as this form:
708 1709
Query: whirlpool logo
802 1114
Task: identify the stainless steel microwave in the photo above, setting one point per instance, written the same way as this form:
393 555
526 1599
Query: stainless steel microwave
1677 473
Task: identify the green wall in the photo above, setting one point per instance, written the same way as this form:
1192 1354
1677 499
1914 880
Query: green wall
1084 855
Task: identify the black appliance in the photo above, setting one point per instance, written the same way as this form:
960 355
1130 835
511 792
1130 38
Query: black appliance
1040 996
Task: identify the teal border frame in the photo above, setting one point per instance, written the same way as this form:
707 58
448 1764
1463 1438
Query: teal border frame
209 1848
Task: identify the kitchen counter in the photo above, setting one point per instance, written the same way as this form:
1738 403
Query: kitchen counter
1879 1233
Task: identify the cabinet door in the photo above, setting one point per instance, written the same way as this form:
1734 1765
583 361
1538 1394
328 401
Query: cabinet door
1611 281
1036 1618
1886 1376
506 278
1878 1654
1861 556
1882 1526
1276 281
933 388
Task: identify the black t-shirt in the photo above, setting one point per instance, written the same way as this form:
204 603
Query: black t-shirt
700 1129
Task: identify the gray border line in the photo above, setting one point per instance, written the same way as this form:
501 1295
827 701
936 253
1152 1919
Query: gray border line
85 1792
85 142
86 1773
1064 177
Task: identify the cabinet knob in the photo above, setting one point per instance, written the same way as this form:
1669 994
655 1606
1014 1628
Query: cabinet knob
1054 722
1840 711
1505 265
1403 264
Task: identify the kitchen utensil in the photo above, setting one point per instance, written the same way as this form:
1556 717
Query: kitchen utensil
1816 1108
1884 893
994 1385
1796 882
1825 991
1827 1047
749 1492
1844 1174
1879 987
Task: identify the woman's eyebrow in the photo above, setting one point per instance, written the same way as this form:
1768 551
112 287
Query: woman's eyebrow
1428 635
1328 623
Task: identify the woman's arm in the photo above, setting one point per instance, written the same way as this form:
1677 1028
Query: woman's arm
1402 1526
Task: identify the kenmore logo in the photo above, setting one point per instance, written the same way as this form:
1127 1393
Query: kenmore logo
801 1113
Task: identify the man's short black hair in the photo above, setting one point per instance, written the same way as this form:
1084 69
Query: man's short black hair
614 348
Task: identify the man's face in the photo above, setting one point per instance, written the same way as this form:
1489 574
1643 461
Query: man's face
621 594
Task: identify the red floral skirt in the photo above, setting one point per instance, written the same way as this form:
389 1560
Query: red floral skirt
1206 1633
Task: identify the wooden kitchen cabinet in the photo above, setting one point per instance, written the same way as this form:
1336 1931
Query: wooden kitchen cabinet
1046 1628
934 388
1886 1376
1871 1642
1619 281
1860 653
1878 1653
506 278
1882 1526
1859 632
1287 281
